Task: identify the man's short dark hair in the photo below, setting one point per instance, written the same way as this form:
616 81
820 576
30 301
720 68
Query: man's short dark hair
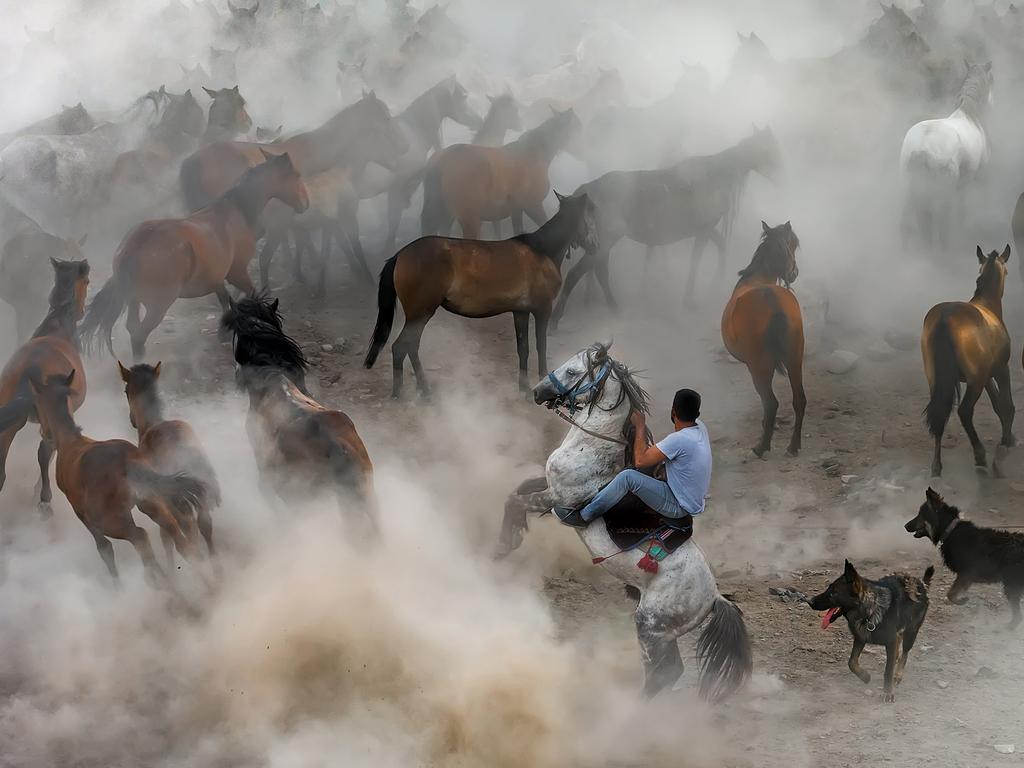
686 405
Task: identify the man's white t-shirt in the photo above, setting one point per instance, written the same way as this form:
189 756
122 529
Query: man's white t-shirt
688 469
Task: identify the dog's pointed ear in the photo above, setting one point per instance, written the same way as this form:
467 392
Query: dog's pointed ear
853 578
124 372
933 498
156 369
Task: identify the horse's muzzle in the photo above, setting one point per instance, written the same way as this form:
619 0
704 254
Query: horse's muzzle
545 394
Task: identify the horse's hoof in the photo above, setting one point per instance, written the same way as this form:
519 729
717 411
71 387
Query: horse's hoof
792 452
759 451
45 510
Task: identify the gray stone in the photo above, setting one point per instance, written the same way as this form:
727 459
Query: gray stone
841 361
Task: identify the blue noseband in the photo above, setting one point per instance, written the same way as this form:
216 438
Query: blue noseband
569 395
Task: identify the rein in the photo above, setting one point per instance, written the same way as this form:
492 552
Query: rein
569 420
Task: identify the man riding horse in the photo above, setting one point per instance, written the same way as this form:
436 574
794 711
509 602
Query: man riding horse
686 453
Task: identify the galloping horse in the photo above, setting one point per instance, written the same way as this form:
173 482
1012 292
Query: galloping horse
966 341
25 272
420 124
477 278
939 157
471 183
681 592
161 261
104 479
299 444
52 351
170 447
688 199
70 121
762 327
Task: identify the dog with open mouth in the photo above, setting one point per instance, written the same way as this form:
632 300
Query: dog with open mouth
886 612
976 555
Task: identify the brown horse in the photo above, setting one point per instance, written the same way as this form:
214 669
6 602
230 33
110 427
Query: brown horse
361 133
25 271
472 183
762 327
161 261
476 278
52 351
104 479
300 445
170 447
966 341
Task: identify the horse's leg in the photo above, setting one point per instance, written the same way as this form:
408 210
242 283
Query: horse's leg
601 272
325 256
794 366
700 242
106 550
414 356
966 413
133 318
348 223
205 523
1006 408
522 324
238 276
397 203
718 239
154 314
45 455
659 650
168 541
531 497
540 321
762 375
470 227
139 539
585 265
496 225
270 246
6 438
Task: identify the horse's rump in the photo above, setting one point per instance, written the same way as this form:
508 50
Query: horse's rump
762 318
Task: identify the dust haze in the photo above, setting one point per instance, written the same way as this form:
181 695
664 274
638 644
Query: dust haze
421 650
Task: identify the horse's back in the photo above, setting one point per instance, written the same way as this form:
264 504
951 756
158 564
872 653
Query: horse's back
952 145
749 314
214 168
978 335
44 356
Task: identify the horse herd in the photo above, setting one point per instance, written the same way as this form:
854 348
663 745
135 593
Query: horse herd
240 193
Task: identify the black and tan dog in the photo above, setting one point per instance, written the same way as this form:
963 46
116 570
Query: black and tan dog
976 555
886 612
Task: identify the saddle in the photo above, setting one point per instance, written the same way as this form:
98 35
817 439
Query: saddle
631 523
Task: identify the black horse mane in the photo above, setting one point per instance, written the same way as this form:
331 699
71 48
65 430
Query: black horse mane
62 299
771 254
260 343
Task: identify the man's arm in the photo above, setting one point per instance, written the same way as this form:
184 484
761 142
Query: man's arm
644 455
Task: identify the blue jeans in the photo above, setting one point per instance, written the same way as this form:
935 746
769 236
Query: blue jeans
654 493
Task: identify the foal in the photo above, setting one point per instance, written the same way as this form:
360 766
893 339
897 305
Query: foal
170 446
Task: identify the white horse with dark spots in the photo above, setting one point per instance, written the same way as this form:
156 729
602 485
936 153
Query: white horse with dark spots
677 594
940 157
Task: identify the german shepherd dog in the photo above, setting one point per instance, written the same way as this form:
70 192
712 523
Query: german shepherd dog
976 555
886 612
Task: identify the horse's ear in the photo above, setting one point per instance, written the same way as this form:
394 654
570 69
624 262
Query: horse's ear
274 305
54 262
83 269
70 379
210 92
156 369
1005 255
123 371
788 226
82 239
266 155
764 227
235 89
559 197
980 254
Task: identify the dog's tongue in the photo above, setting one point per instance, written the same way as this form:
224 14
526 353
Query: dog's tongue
827 619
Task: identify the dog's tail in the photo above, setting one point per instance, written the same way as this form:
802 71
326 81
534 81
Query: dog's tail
724 656
928 573
945 378
776 340
386 299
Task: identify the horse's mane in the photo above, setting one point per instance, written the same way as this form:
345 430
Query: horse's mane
260 344
629 389
974 91
770 250
987 276
62 299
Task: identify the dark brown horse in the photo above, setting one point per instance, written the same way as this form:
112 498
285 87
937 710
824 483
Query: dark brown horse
477 278
104 479
300 445
966 341
52 351
470 184
227 117
25 272
171 447
162 261
762 327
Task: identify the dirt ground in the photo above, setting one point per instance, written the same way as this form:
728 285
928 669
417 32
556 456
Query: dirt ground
777 522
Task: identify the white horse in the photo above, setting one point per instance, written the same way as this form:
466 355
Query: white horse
682 593
940 156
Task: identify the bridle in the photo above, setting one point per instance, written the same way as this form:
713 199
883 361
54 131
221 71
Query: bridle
568 397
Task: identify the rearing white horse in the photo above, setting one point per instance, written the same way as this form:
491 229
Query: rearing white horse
682 593
940 156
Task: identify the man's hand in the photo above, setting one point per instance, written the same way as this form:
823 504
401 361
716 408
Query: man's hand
644 455
638 420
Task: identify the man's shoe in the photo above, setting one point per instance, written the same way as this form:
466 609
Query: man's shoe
567 516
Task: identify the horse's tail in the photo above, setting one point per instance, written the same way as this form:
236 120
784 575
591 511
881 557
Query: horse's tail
945 378
386 300
434 210
104 311
184 492
724 656
776 340
191 189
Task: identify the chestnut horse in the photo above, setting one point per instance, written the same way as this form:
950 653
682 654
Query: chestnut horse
161 261
966 341
300 445
104 479
170 446
477 278
52 351
762 327
472 183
